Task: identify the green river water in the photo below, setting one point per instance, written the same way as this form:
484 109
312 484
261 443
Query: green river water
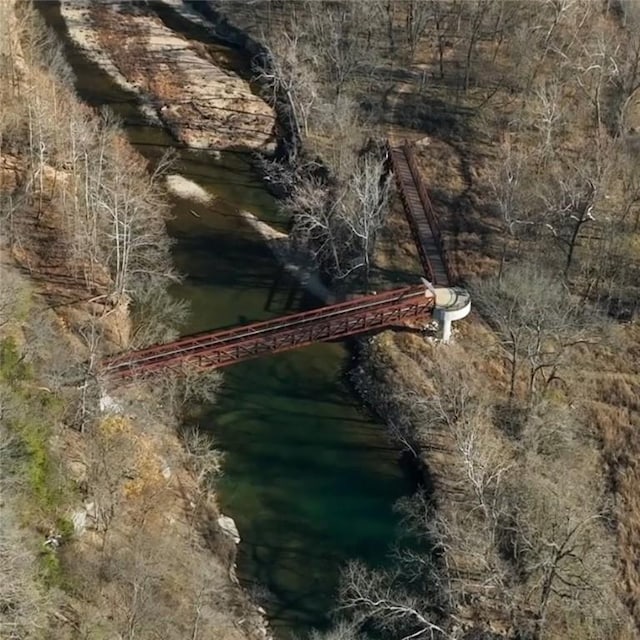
310 478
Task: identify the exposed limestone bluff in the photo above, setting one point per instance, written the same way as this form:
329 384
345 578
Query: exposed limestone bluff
177 81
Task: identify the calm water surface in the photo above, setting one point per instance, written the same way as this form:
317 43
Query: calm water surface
309 477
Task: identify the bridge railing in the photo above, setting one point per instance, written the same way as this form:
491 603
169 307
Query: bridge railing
413 223
282 326
428 207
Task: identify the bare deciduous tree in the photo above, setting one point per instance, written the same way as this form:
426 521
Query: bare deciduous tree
375 598
548 117
15 295
538 321
285 73
339 226
368 214
339 43
110 459
418 14
22 604
204 461
570 205
342 631
157 316
560 547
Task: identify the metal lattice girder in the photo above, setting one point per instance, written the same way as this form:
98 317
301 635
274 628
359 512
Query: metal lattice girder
227 346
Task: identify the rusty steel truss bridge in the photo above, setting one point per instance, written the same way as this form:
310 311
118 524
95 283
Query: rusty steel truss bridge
396 307
224 347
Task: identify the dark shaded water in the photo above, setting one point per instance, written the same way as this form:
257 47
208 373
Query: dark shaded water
310 479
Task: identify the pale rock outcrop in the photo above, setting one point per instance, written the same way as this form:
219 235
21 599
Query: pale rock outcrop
228 527
203 104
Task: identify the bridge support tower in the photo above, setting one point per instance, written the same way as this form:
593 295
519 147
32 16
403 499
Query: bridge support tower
452 303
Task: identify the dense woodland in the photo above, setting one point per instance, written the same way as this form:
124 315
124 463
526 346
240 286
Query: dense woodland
525 119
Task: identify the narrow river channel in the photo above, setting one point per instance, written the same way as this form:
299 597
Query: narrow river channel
310 478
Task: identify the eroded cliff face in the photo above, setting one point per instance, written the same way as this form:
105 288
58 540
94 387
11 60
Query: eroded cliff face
178 80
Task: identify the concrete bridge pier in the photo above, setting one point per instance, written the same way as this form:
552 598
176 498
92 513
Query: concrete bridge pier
452 303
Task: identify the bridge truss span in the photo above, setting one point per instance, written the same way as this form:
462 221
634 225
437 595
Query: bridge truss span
227 346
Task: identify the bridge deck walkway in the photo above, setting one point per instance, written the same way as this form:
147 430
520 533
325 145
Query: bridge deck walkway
420 215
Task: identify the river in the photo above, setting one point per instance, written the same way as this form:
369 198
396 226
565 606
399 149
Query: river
310 478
